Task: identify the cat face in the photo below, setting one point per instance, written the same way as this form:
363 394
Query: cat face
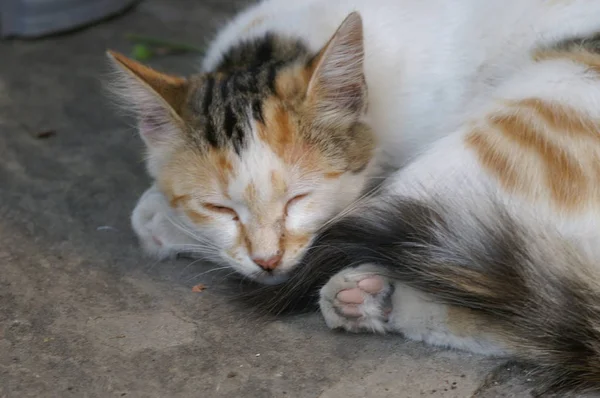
260 208
259 154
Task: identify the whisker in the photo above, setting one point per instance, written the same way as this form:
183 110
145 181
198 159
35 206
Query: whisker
149 268
189 265
352 206
189 232
207 272
227 275
185 229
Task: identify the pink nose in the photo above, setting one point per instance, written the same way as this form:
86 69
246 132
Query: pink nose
268 264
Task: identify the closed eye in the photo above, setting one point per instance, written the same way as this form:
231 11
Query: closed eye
294 200
221 209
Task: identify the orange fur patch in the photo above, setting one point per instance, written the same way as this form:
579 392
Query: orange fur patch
536 130
243 238
222 168
182 202
332 175
564 176
251 196
291 83
198 218
278 183
494 159
562 118
278 131
176 201
295 241
282 135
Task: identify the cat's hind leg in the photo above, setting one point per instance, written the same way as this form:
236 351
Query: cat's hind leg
363 299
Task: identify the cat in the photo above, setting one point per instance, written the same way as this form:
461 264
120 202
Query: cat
483 237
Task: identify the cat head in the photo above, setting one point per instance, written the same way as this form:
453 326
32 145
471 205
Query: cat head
257 158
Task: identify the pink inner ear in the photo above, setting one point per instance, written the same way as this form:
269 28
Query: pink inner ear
149 124
155 126
148 127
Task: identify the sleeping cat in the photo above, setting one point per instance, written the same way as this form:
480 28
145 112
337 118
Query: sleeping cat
483 240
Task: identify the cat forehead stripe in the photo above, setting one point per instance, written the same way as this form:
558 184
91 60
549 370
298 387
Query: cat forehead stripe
234 92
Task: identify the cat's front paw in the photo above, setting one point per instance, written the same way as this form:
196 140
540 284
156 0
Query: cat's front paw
152 221
357 300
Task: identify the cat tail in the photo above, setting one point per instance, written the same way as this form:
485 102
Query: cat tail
540 292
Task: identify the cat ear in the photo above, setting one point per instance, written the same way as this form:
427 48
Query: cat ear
337 87
156 98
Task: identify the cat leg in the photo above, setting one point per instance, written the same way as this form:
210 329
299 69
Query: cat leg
152 222
362 299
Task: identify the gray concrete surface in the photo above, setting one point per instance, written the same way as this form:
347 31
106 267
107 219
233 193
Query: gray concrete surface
83 314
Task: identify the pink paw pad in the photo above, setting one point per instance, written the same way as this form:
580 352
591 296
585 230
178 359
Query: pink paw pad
351 299
372 284
351 296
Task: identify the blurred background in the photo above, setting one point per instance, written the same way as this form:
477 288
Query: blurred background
36 18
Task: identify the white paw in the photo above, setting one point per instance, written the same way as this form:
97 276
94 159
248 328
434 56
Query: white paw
356 300
151 222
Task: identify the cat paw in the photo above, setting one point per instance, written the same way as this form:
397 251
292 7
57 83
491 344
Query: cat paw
156 233
357 300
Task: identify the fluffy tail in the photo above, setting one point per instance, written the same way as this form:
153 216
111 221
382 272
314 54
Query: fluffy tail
540 290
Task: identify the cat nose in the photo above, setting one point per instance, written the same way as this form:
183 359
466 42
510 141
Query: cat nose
268 264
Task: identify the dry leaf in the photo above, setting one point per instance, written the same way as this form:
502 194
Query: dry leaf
198 288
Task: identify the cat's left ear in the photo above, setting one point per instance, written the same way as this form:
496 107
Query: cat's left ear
337 90
156 98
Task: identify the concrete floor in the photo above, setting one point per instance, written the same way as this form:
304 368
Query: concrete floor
83 314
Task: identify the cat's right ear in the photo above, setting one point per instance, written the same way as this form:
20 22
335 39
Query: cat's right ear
155 98
337 90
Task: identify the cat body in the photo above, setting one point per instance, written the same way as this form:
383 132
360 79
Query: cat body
484 238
